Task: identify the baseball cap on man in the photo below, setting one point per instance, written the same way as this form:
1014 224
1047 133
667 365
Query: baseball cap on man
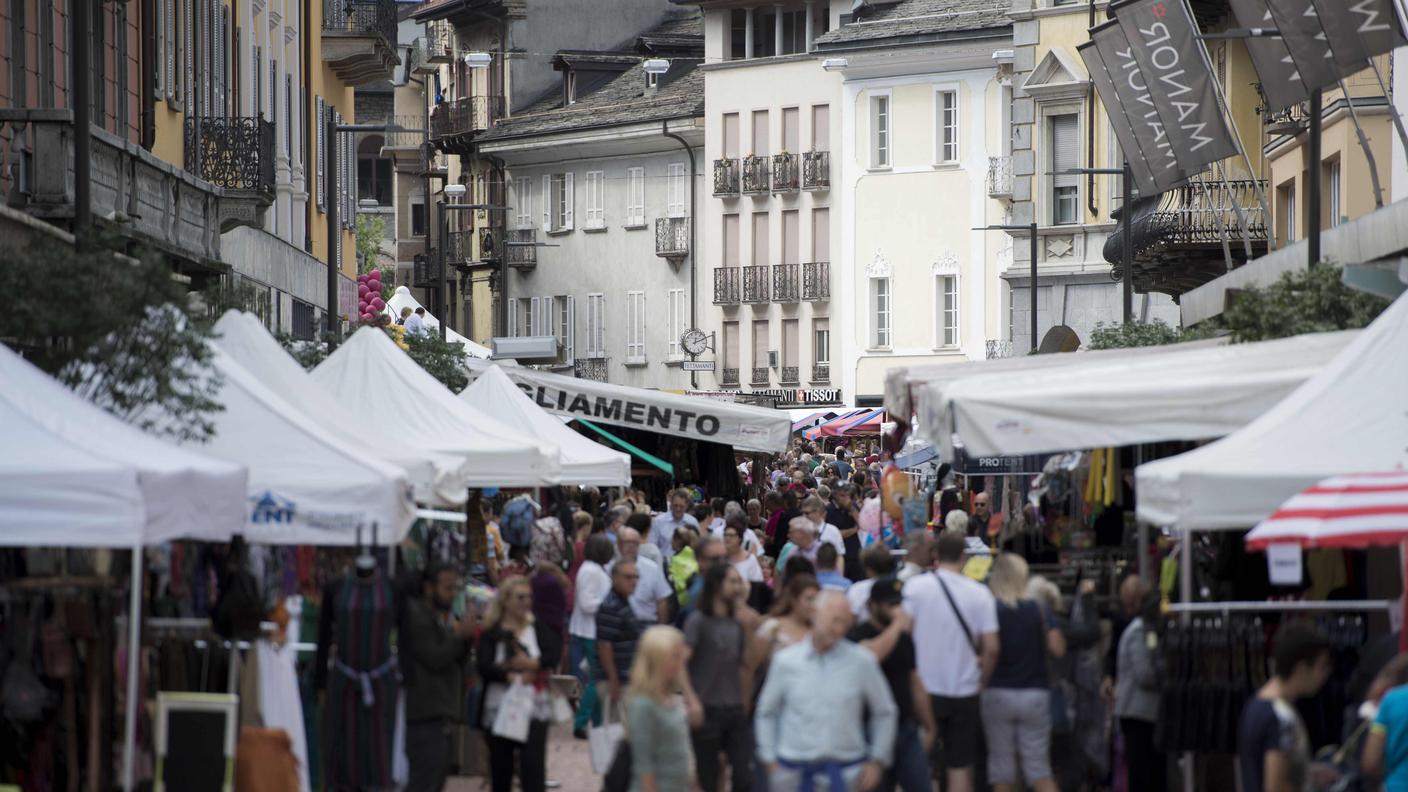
888 590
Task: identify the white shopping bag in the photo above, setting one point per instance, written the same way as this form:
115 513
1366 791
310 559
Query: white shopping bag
515 713
561 709
603 741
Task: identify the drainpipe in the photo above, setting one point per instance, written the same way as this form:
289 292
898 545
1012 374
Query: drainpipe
1090 134
693 222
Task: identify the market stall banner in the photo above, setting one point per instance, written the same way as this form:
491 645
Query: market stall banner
1163 38
1280 80
1121 94
743 427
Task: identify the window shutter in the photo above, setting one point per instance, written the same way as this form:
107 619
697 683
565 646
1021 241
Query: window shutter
320 134
161 53
547 203
571 330
1065 149
513 318
187 39
221 20
567 193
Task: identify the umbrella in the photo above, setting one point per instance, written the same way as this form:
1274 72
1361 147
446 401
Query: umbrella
1355 511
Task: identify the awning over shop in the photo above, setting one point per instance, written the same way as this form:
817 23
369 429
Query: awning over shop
863 425
741 426
811 420
645 456
820 430
583 462
1178 393
1347 418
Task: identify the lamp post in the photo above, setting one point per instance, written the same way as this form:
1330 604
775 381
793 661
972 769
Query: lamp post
1031 229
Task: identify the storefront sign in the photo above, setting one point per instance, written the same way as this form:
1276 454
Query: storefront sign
1027 465
803 397
1283 564
698 365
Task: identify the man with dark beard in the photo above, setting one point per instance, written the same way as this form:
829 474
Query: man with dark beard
435 651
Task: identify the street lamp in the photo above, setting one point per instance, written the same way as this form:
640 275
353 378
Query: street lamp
1031 229
656 66
478 60
835 64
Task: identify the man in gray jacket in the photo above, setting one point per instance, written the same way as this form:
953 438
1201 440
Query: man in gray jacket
1137 697
433 651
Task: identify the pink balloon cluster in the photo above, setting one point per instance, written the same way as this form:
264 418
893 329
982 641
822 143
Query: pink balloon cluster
369 302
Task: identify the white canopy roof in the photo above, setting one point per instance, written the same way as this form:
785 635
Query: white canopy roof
435 476
72 475
744 427
402 299
1350 417
372 376
583 461
306 485
1172 394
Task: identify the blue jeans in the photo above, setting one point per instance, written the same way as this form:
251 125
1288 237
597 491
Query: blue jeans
589 708
910 768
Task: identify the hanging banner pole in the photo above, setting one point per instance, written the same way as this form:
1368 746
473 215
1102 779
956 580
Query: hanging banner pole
1242 221
1363 144
1214 209
1392 109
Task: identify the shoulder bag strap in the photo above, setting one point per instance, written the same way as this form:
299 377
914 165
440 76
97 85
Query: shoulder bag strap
962 622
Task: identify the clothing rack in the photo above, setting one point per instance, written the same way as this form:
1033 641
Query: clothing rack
1273 606
172 626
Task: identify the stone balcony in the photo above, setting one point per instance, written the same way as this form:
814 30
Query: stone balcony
454 124
236 154
359 40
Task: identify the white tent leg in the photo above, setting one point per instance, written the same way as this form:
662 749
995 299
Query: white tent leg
134 635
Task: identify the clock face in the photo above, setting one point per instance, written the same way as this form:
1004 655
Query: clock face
694 341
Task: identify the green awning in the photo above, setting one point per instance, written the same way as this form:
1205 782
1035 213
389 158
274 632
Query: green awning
651 458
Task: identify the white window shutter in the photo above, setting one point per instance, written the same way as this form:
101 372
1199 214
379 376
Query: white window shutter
547 203
571 334
318 184
512 318
567 201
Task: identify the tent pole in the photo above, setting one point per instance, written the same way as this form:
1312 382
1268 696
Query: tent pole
134 635
1185 593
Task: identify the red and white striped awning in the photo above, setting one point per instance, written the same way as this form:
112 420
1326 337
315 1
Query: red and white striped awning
1356 510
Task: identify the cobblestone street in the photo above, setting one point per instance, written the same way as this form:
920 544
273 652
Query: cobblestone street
569 762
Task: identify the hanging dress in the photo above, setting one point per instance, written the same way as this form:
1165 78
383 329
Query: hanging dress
363 682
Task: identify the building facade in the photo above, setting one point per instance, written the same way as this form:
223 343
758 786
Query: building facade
604 180
920 120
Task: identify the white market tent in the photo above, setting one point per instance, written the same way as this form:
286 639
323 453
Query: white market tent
744 427
1169 393
584 462
72 475
435 476
306 485
1350 417
402 299
372 376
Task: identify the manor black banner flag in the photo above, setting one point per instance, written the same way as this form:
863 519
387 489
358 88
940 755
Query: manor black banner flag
1280 81
1305 38
1121 88
1163 40
1360 31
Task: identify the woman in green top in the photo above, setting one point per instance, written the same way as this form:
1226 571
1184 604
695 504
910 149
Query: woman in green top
657 722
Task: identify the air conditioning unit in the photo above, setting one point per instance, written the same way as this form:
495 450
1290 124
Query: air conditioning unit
772 360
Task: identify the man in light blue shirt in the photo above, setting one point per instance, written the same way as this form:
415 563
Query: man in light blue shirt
811 715
662 528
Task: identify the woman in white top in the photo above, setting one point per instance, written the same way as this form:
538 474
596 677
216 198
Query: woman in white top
592 585
745 562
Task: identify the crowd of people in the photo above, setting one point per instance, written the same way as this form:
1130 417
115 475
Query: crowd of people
761 644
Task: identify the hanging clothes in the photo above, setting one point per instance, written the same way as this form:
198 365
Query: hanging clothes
363 681
280 703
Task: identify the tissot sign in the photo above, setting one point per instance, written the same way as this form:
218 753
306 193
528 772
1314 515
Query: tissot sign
802 397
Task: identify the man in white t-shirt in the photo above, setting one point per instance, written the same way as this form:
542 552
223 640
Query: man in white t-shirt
955 644
814 509
651 600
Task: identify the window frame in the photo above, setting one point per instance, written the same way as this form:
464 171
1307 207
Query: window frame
942 324
942 144
635 197
523 200
596 330
880 336
596 201
677 312
1049 113
821 341
873 144
676 190
635 328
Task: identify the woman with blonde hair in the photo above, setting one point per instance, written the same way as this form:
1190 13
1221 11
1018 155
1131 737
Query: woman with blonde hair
657 721
515 647
1016 704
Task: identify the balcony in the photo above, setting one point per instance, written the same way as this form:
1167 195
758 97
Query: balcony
238 155
425 271
725 178
359 39
728 376
760 376
790 375
159 204
521 248
755 284
404 142
454 124
590 368
785 177
755 175
1292 120
999 177
459 247
436 47
726 285
786 283
821 372
1178 235
816 170
672 237
816 281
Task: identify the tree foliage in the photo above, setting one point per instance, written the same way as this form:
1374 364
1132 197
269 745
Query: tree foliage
1134 334
115 327
1313 300
445 360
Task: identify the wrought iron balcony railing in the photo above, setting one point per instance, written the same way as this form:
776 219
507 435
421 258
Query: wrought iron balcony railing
790 375
755 175
672 237
1291 121
425 271
999 177
439 41
234 153
728 376
816 170
726 285
359 39
459 247
821 372
590 368
361 16
725 177
755 284
786 283
760 375
785 177
521 248
465 116
816 281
